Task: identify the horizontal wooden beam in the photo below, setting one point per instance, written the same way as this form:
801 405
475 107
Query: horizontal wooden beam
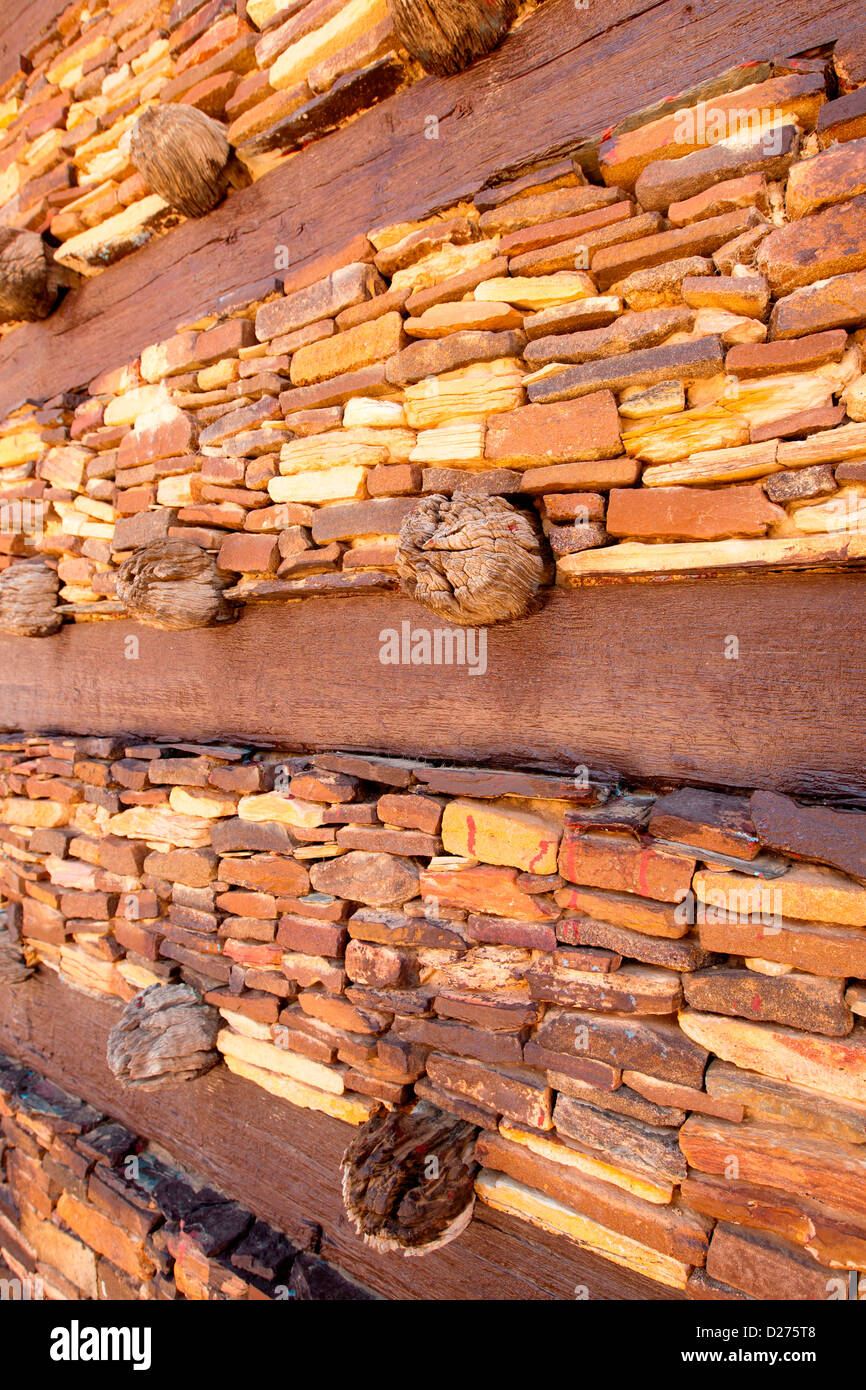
562 77
283 1164
750 682
22 23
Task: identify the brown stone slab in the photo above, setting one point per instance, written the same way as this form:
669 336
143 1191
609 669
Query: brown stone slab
490 482
797 1000
775 1102
833 176
831 1237
690 513
534 436
543 234
837 838
791 1160
577 250
613 263
539 208
380 517
843 119
818 949
499 1049
631 332
686 1097
621 863
801 484
490 783
380 924
666 181
602 1077
464 1109
834 1065
496 1010
411 811
630 1143
534 936
570 477
828 243
351 93
652 950
431 357
801 354
595 312
708 820
671 1230
623 1100
626 910
750 190
690 361
585 957
637 989
840 302
515 1094
652 1045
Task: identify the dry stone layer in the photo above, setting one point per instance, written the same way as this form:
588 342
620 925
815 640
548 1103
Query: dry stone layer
644 1008
654 347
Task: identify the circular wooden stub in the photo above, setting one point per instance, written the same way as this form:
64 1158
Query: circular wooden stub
174 585
183 155
28 600
408 1179
472 560
446 36
29 276
166 1034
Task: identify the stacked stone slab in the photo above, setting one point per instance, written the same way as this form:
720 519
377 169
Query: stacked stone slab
662 358
275 75
649 1003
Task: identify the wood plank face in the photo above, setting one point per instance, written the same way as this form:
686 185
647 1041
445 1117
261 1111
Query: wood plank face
23 22
632 679
562 77
283 1163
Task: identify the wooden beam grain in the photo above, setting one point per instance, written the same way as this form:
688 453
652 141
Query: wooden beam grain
564 76
631 678
21 25
283 1164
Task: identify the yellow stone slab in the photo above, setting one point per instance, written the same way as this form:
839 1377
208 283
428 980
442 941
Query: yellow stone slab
806 892
344 484
355 1110
703 557
660 1194
537 292
288 810
275 1059
353 20
469 393
507 1195
155 823
497 834
833 1065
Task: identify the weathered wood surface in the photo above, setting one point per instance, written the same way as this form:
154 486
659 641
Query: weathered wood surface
22 23
630 678
562 77
284 1164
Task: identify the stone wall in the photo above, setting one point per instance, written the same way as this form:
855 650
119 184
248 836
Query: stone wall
691 400
646 1001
